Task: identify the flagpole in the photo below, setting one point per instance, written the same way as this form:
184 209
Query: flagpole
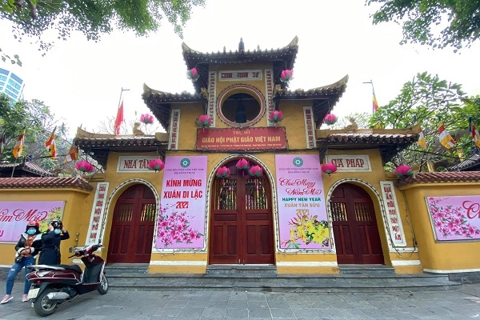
121 95
373 91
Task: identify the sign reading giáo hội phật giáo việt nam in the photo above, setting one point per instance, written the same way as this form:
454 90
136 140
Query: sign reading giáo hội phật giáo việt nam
232 139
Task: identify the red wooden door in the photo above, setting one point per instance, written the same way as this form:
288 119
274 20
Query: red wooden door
241 220
354 226
132 227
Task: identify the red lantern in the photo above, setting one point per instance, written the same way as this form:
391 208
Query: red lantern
192 74
156 164
275 116
403 171
243 164
84 166
329 168
223 173
204 121
255 171
330 119
286 75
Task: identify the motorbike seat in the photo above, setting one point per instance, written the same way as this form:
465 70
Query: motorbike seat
73 267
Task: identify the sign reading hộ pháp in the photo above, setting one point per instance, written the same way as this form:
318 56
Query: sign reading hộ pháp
231 139
348 163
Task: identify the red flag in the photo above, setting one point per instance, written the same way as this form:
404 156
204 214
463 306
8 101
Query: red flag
119 119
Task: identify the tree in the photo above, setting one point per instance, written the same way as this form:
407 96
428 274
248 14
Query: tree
92 17
428 99
423 21
36 117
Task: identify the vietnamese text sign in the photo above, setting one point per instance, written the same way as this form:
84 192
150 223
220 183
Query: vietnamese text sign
229 139
393 218
181 220
455 218
14 216
235 75
350 163
134 163
301 203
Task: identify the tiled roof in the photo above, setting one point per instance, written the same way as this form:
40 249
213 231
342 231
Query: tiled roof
324 97
389 144
370 138
28 167
438 177
471 162
117 141
282 58
160 102
44 183
98 146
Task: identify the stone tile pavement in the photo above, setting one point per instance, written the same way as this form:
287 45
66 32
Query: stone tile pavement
463 303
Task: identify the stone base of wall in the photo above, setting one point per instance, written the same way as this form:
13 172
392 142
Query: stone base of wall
465 277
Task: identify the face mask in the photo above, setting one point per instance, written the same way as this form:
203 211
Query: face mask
57 231
31 232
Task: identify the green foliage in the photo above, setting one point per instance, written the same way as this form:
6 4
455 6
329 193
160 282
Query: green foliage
36 117
439 24
93 17
427 98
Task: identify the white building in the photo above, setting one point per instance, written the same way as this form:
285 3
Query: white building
11 84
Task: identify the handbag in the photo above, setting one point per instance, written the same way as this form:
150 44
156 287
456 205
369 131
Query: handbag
19 259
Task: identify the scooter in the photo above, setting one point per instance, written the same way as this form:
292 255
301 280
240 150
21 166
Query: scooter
55 284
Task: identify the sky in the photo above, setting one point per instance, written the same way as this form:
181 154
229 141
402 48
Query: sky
81 80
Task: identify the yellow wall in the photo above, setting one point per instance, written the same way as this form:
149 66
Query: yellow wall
441 257
75 217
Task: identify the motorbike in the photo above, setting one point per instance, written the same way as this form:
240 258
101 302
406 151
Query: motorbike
55 284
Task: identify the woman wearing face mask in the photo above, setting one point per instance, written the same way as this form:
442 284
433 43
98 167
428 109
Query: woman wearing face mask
51 243
27 249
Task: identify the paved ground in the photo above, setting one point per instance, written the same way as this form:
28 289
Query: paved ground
130 304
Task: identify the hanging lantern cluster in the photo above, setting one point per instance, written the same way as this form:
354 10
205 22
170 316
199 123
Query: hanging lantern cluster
156 164
329 168
255 171
146 118
223 173
275 117
403 171
286 75
204 121
193 74
330 119
84 166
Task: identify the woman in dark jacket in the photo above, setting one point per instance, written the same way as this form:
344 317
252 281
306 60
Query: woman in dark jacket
27 248
51 243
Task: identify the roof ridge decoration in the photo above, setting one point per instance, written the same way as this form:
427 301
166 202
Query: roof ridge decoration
292 44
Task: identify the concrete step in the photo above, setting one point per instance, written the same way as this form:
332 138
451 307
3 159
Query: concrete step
366 269
284 283
239 271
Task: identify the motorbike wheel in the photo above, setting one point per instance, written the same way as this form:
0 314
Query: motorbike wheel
44 307
103 286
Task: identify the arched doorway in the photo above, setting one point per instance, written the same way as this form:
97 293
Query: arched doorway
241 224
132 226
357 240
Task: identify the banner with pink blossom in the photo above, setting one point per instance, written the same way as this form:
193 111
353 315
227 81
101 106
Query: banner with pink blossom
181 220
14 216
301 203
455 218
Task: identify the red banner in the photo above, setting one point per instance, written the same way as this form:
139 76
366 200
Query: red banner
230 139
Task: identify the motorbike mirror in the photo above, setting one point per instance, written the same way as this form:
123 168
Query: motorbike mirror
70 250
